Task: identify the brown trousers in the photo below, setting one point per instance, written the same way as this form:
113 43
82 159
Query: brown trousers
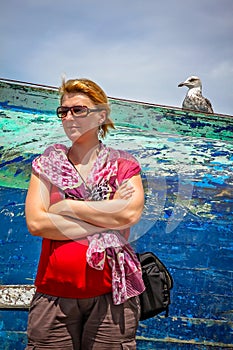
82 324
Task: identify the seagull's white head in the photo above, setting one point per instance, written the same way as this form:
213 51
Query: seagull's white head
192 82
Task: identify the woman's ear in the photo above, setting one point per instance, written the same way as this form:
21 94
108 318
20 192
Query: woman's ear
103 116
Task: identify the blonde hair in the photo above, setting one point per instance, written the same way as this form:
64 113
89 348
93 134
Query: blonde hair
94 92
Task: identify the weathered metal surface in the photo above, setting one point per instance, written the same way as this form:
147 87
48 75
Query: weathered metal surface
187 160
146 116
16 296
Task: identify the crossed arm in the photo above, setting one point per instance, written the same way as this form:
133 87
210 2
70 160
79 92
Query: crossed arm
74 219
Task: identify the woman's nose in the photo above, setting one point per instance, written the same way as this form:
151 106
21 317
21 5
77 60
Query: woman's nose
69 115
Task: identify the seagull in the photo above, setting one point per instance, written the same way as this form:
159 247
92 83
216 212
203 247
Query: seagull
194 99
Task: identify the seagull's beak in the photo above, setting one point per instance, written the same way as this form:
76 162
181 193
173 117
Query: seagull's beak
181 84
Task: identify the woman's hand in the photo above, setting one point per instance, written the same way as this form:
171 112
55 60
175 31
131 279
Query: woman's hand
124 191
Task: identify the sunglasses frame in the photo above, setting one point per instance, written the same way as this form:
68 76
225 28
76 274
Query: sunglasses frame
71 109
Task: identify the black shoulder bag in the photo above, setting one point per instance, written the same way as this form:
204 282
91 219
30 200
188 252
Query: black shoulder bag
158 282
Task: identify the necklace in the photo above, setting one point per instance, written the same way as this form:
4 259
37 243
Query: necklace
91 155
86 167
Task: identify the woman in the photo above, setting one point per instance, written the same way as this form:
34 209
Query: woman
82 201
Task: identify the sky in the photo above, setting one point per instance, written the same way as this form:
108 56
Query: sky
134 49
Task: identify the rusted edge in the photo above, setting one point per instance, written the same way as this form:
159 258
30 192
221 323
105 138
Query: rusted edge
16 296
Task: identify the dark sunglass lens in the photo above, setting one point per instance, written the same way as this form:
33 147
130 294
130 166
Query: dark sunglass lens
79 110
62 111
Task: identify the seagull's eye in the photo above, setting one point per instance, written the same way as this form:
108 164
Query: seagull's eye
192 80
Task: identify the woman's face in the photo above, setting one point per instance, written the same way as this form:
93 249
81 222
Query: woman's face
78 129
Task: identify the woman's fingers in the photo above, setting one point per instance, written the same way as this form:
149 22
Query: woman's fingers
125 190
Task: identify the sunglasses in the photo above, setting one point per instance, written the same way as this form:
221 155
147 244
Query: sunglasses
76 111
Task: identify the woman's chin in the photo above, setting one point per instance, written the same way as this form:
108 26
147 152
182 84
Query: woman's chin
76 136
73 135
